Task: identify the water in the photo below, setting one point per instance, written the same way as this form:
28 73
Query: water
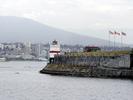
22 81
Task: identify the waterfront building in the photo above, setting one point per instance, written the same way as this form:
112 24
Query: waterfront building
27 48
54 50
1 46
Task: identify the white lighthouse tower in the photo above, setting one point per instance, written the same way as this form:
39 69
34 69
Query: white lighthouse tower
54 50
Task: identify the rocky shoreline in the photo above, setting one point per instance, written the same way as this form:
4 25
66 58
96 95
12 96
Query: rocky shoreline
83 71
94 64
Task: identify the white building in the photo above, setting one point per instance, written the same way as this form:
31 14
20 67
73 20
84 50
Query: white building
1 46
27 48
54 50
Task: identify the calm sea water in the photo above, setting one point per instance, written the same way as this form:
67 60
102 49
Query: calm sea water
22 81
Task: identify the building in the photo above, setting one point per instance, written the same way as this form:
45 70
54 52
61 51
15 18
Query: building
27 48
54 50
91 48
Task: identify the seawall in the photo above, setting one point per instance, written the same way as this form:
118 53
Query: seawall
108 65
84 71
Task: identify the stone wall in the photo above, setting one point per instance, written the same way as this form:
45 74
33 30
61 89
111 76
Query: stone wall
131 61
83 71
116 66
121 61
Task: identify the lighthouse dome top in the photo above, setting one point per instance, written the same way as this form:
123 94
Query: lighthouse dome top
55 42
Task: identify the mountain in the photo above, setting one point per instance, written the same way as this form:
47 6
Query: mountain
16 29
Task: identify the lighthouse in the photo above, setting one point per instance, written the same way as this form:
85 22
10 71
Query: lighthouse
54 50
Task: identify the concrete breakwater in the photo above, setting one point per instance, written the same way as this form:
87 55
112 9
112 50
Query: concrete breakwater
92 65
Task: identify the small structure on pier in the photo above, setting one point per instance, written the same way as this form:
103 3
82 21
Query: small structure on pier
91 48
54 50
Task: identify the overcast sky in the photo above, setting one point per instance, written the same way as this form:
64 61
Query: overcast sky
88 17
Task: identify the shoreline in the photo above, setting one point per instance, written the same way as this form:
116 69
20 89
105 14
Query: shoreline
83 71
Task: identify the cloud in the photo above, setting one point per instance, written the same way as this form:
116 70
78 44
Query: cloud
73 15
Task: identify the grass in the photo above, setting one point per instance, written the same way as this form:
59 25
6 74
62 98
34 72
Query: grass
99 53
